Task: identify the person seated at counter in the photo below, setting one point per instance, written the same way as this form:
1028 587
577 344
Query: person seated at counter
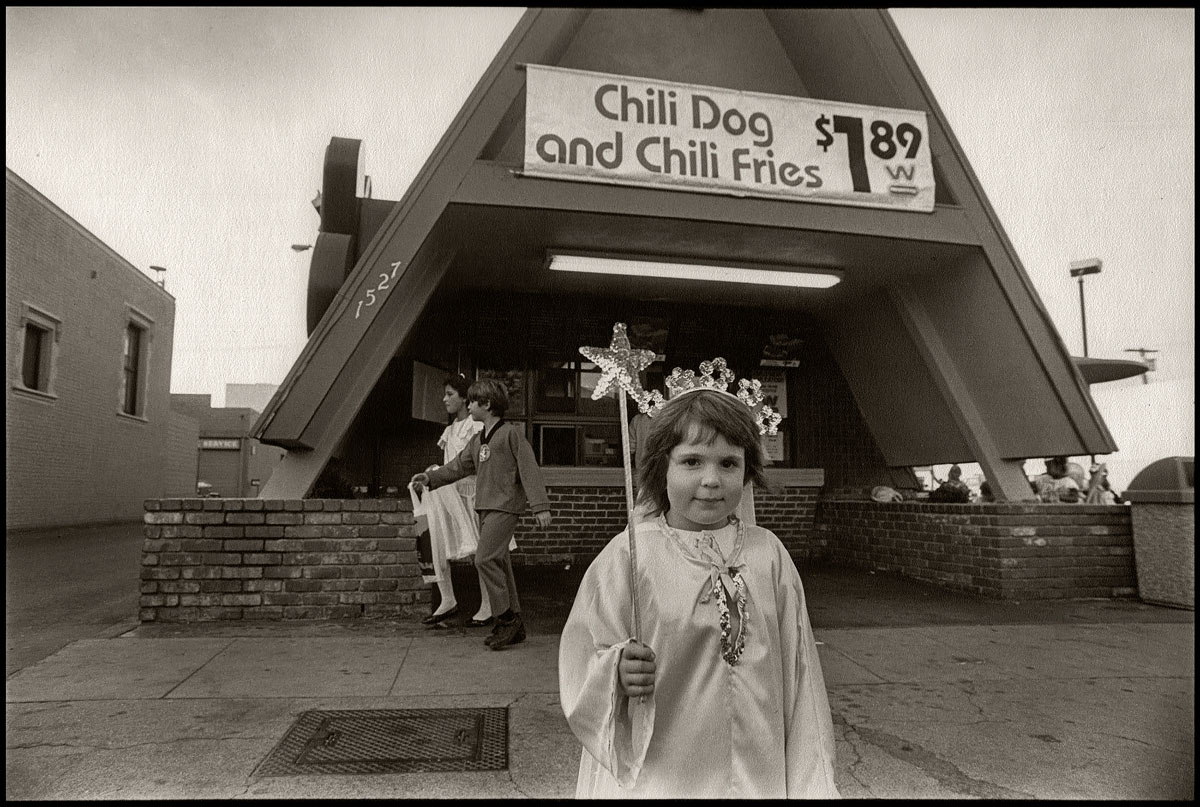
1055 486
953 490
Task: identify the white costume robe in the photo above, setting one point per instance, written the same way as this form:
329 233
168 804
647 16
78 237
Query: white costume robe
450 510
758 729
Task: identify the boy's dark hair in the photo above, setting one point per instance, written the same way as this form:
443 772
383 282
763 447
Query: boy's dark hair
459 383
712 413
491 393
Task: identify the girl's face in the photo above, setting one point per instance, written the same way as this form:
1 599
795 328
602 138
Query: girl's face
453 401
704 482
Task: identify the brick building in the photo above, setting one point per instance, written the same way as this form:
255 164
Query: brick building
249 396
229 462
817 225
88 425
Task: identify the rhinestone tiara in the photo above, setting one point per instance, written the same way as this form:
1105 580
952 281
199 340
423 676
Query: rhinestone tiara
716 376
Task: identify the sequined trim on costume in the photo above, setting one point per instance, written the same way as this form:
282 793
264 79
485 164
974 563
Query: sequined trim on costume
731 646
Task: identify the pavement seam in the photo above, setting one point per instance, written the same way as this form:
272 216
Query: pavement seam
941 770
400 667
188 677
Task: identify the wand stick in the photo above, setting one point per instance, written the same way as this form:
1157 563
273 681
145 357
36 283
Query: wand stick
637 618
620 364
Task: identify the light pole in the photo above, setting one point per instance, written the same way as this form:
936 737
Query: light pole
161 271
1080 269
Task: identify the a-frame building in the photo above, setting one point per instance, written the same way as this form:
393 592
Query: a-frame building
933 348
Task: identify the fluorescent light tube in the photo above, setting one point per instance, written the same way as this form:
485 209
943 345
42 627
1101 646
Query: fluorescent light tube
693 271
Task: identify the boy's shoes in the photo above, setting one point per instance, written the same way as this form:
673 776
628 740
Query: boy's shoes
506 633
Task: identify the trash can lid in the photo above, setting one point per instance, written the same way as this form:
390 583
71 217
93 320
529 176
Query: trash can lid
1170 480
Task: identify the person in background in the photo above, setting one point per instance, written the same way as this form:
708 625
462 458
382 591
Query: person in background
639 429
508 480
1055 486
985 492
953 490
453 525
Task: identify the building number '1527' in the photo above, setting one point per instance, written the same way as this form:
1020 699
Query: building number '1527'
385 280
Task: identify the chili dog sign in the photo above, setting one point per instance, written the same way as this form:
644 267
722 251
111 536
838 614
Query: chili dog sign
597 127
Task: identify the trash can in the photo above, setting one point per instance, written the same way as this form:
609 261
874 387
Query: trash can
1162 498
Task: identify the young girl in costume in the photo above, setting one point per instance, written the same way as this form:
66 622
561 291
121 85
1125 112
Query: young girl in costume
453 526
724 696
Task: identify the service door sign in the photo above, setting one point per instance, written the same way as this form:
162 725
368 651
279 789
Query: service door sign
597 127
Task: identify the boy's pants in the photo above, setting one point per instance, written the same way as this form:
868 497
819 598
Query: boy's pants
493 561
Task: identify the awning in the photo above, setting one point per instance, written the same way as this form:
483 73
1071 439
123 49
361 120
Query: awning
1097 371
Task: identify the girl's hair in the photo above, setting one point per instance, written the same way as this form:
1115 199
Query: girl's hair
491 394
710 413
458 382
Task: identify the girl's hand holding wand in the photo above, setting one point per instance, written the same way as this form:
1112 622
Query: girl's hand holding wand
635 670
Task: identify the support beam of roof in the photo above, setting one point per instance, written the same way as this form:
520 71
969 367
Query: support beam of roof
498 184
341 402
540 36
1007 477
1022 297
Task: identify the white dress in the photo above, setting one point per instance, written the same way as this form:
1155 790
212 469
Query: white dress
759 727
453 525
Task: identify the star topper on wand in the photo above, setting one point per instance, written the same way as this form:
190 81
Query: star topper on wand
620 364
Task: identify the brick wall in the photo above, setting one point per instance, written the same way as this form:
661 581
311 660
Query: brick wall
241 559
71 456
1010 551
587 517
790 513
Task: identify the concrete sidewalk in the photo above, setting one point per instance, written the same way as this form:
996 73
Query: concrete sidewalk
1062 710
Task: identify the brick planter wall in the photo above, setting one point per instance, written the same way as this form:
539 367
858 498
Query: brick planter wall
1009 551
587 517
230 559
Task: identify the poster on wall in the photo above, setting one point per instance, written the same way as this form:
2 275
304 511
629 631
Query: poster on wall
774 445
598 127
781 350
774 389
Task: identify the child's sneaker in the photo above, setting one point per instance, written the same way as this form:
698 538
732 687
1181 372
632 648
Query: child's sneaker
512 632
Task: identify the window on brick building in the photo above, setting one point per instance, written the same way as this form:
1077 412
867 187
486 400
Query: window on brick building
134 364
34 371
130 399
39 339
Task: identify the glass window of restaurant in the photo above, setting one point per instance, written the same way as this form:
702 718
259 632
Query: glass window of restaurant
533 348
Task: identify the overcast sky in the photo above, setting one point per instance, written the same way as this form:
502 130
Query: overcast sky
194 138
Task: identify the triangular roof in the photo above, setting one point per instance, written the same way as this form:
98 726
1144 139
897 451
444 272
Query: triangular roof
936 381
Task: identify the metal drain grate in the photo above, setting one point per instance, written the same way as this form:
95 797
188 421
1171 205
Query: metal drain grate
392 741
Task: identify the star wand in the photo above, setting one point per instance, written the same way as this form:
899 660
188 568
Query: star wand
620 364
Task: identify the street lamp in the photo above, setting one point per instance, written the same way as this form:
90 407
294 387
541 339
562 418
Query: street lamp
161 271
1080 269
1147 358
